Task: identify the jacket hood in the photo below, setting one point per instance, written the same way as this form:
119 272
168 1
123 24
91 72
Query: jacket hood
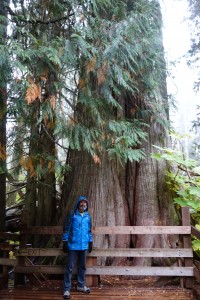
80 198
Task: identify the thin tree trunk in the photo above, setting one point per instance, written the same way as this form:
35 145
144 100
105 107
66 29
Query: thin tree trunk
17 154
40 190
3 107
31 187
46 214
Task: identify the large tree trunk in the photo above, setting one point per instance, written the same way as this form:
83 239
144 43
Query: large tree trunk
100 182
140 198
150 201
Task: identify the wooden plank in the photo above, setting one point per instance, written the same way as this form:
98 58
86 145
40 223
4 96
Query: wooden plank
6 246
180 264
20 278
110 252
40 269
142 230
142 252
92 280
195 232
122 290
141 271
110 270
9 236
5 268
8 262
89 277
43 230
114 230
39 252
187 243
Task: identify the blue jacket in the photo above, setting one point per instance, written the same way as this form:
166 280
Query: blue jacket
77 228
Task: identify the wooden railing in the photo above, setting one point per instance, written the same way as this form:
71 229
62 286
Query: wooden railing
184 255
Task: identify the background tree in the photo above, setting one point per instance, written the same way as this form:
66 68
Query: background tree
193 61
195 47
4 74
32 104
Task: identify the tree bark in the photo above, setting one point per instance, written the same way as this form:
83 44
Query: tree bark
40 190
14 164
3 108
31 187
150 201
46 187
106 198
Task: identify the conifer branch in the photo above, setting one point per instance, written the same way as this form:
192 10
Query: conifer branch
11 12
52 139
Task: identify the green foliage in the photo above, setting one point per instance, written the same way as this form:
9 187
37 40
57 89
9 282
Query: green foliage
183 179
196 242
195 145
4 66
89 57
126 137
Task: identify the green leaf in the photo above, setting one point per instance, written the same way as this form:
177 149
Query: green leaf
180 201
157 156
193 190
196 245
182 193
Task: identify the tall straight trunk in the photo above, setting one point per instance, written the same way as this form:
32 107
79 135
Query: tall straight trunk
41 191
17 154
3 103
3 158
150 201
31 187
46 214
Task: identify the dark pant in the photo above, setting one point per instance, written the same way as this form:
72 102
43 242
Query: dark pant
80 256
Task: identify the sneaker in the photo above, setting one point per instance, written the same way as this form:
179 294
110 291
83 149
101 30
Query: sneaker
83 289
66 295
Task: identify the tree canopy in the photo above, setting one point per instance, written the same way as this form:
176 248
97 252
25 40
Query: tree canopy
60 59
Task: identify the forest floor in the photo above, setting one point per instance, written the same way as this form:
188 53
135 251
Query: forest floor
111 288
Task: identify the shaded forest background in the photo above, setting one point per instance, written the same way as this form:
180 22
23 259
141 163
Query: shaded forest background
83 102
